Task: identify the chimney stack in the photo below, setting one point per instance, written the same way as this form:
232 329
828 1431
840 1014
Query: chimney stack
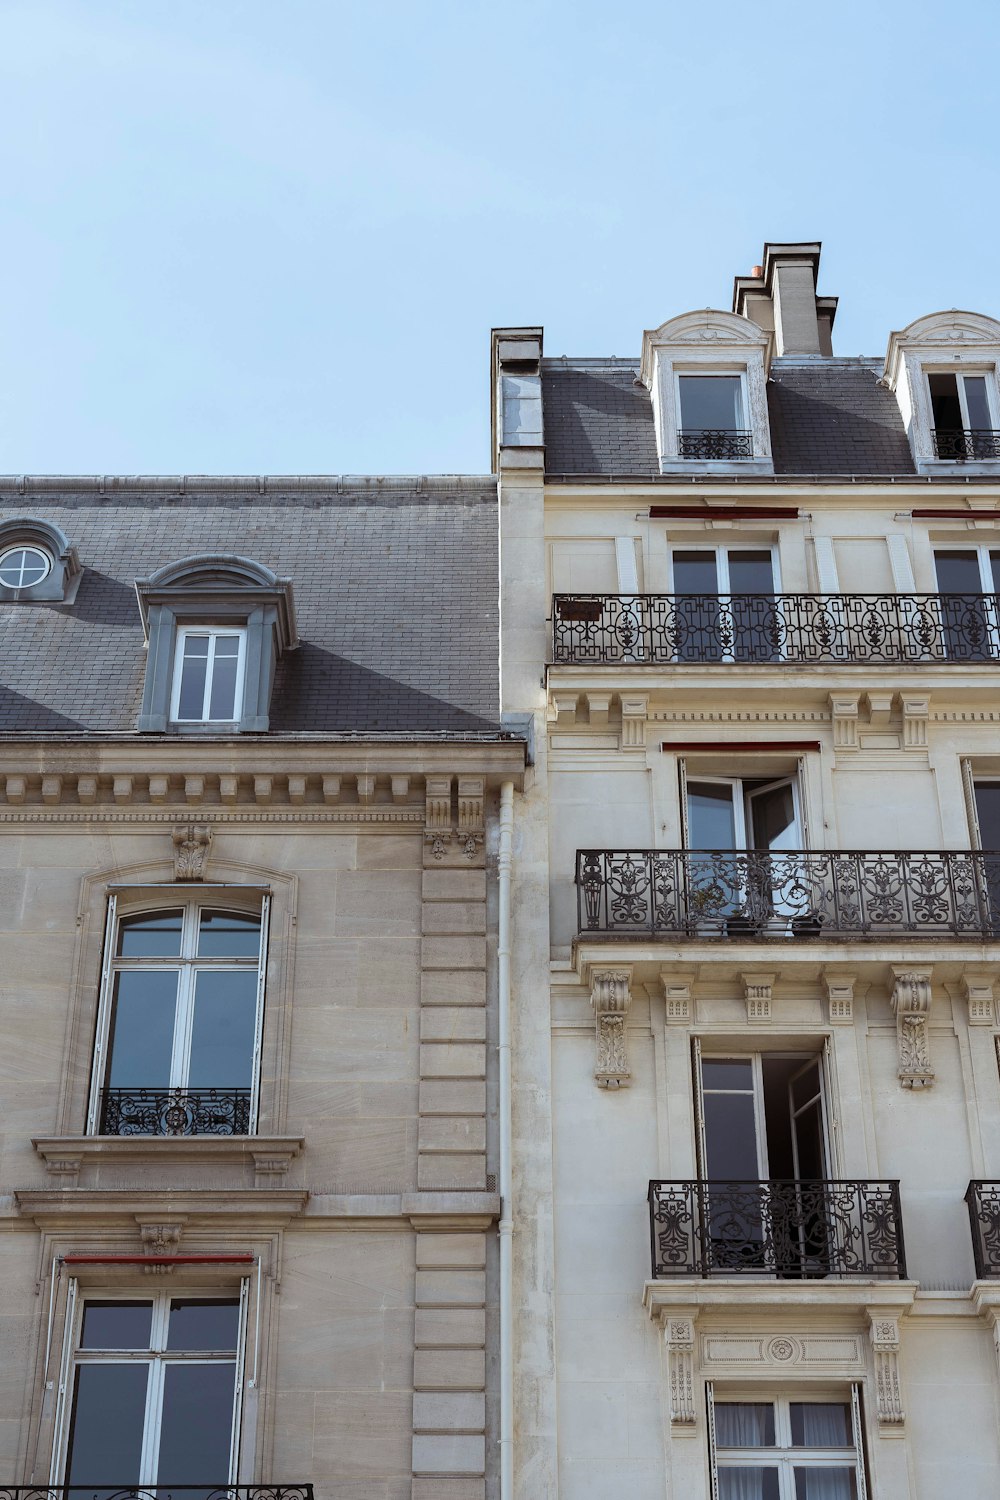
780 297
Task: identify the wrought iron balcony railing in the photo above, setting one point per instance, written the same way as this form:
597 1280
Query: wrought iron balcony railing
795 1229
967 442
175 1112
796 894
714 442
801 630
156 1492
983 1199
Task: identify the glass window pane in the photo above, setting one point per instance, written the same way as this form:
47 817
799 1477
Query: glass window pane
744 1424
731 1137
227 934
194 671
212 1325
711 818
945 408
751 573
225 1008
821 1424
988 813
711 401
222 703
772 818
695 573
748 1484
105 1440
141 1036
197 1424
23 566
116 1325
826 1484
958 572
727 1073
155 935
977 403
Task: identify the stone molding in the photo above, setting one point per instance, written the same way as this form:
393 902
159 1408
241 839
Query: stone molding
454 831
611 998
677 997
978 991
910 999
192 842
839 997
66 1156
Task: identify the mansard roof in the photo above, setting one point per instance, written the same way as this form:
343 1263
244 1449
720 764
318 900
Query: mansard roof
395 584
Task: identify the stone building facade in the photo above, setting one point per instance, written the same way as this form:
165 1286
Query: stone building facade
749 596
250 763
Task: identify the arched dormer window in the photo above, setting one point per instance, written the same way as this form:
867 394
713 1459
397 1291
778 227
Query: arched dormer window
706 373
37 563
944 370
215 627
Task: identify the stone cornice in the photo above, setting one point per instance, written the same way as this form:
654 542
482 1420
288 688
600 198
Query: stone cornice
743 1298
64 1156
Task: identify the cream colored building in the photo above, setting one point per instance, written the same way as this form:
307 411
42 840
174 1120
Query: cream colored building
251 767
749 596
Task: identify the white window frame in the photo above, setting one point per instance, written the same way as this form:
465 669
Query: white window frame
961 372
783 1456
722 578
982 551
730 372
214 633
158 1357
188 965
756 1060
740 802
27 547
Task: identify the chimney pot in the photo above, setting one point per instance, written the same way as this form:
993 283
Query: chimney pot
757 271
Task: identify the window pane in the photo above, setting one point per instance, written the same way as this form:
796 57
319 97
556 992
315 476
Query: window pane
821 1424
772 818
225 934
23 566
748 1484
194 671
222 704
958 573
977 402
988 813
157 935
751 573
731 1139
945 408
197 1425
203 1325
744 1424
727 1073
105 1441
225 1007
116 1325
142 1029
711 401
695 573
825 1484
711 819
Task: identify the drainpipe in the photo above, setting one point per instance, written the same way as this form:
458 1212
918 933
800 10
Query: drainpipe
504 862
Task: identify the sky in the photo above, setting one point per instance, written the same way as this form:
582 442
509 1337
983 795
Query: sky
272 236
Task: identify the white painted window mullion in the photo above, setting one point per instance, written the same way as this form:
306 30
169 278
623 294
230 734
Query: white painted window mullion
713 1466
63 1383
258 1035
859 1442
101 1060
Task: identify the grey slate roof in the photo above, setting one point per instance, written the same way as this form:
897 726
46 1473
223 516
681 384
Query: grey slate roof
395 587
827 417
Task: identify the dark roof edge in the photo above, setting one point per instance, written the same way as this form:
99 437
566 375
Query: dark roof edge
714 481
455 737
227 484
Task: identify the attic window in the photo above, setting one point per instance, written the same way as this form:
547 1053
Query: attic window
965 424
37 563
23 567
713 417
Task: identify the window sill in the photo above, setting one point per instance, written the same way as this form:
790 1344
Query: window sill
974 468
748 467
65 1156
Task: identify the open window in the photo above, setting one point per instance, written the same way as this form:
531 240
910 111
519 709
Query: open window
789 1446
150 1393
713 417
964 415
179 1026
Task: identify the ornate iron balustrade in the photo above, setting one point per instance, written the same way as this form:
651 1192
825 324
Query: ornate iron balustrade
714 442
795 1229
156 1492
794 894
801 630
175 1112
967 442
983 1199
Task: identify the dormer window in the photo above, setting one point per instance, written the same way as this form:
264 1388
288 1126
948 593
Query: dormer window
713 417
942 370
37 563
23 567
208 676
965 424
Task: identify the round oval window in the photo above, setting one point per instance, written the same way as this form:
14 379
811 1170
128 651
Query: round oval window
21 567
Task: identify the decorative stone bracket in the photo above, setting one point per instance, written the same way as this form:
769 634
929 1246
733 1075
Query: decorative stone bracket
839 997
611 997
911 1002
192 842
451 841
888 1395
678 1335
978 990
160 1237
757 995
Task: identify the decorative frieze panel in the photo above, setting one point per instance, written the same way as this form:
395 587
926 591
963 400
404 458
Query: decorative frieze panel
783 1349
611 997
911 1002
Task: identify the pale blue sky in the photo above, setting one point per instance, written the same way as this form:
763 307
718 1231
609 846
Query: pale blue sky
273 235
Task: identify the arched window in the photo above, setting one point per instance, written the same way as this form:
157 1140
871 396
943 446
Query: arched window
37 563
178 1034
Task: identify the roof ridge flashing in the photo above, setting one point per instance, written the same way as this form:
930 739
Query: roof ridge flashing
597 362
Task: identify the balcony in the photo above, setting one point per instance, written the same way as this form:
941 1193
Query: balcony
798 630
964 443
795 895
156 1492
174 1112
714 443
793 1229
983 1199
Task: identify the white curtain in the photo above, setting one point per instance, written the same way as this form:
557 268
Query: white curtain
824 1425
748 1484
744 1424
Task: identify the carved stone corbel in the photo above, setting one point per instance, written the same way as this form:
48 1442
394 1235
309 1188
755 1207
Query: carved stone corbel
160 1237
888 1395
437 816
635 707
471 818
839 998
757 995
677 996
911 1002
611 996
192 842
978 990
678 1334
844 714
916 716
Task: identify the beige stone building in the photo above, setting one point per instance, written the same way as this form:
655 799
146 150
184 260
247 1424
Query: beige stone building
251 771
749 596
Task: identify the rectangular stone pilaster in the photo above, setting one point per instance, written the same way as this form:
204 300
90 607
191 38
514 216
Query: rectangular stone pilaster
449 1367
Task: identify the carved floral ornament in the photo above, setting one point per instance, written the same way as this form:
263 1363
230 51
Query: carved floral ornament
191 841
911 1002
611 997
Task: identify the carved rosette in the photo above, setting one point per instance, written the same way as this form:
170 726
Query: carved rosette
192 842
911 1003
888 1394
611 996
679 1336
